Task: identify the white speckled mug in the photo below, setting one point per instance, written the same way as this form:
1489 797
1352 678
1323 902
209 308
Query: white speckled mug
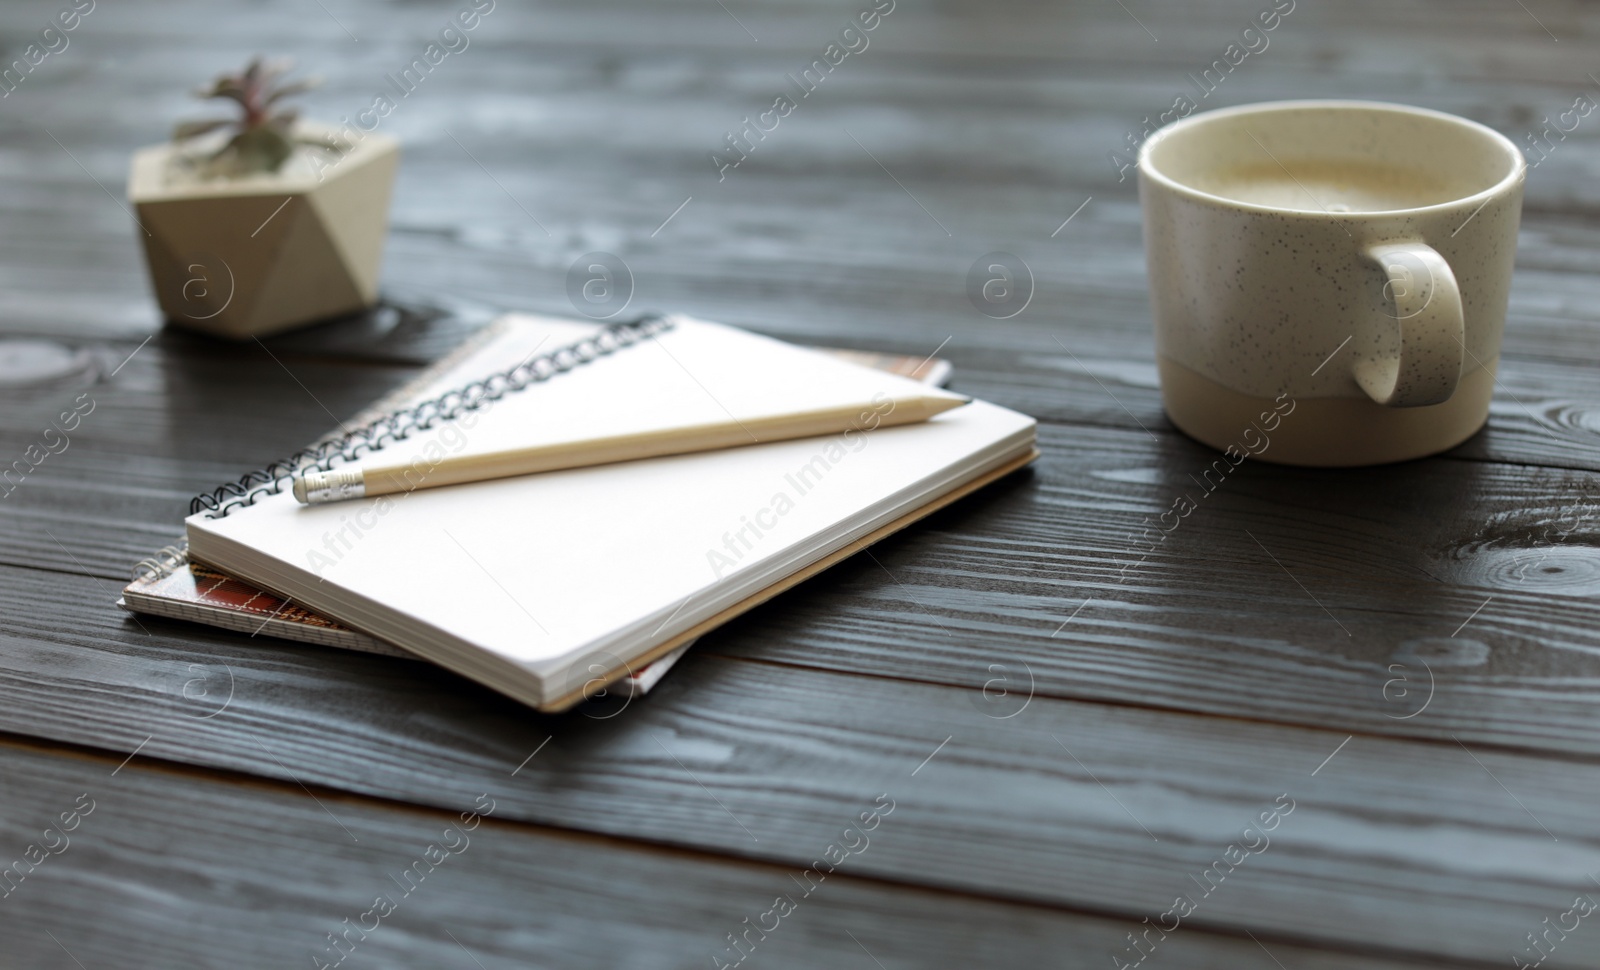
1351 257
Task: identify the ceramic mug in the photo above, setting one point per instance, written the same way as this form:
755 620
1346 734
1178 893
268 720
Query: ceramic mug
1349 259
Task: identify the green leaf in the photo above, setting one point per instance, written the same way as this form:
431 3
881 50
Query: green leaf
256 150
194 129
322 141
292 89
224 87
283 121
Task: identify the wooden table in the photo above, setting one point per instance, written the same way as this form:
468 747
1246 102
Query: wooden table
1409 656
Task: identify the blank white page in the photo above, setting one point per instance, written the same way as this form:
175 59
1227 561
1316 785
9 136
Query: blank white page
540 570
696 373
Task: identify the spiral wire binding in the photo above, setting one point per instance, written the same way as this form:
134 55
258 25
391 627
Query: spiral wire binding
402 424
163 562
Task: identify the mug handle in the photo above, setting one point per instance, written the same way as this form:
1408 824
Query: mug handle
1432 329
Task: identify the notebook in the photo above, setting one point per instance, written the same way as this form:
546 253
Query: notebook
169 585
548 586
182 590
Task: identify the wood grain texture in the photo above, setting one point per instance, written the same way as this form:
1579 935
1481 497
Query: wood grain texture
1385 617
1048 97
1287 594
761 760
174 869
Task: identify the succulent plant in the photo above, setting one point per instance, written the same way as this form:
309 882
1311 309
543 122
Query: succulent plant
264 136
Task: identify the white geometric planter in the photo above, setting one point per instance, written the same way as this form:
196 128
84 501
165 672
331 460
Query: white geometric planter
251 256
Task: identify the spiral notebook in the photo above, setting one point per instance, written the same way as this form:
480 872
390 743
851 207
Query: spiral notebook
170 585
546 587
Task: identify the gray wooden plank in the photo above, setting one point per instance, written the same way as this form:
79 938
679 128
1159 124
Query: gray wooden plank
752 247
760 760
175 420
1293 595
1073 68
598 118
165 860
1288 594
418 330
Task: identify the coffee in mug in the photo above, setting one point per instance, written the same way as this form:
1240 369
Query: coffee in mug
1349 259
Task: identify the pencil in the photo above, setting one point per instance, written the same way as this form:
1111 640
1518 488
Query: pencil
339 484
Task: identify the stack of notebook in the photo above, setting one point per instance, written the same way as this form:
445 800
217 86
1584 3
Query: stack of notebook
548 586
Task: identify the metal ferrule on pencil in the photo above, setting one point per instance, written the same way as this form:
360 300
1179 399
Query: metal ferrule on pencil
314 488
